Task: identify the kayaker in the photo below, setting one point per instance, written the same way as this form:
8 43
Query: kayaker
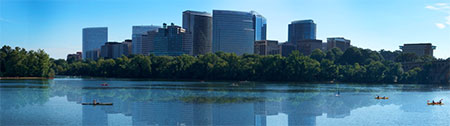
440 101
432 102
378 97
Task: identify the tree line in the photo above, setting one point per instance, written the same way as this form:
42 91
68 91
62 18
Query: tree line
18 62
355 65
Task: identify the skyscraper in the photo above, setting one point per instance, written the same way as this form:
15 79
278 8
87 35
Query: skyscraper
93 39
198 37
148 41
260 26
138 44
233 32
169 41
302 30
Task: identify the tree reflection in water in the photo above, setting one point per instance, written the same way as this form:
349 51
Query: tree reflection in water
192 103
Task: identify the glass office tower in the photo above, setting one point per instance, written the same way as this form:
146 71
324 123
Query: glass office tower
169 41
260 26
302 30
93 39
233 32
198 26
137 41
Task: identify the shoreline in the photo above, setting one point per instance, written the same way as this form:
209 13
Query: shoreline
26 78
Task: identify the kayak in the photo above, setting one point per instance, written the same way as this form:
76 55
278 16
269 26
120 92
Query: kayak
97 104
382 98
435 103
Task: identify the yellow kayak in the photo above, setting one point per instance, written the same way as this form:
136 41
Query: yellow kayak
381 97
435 103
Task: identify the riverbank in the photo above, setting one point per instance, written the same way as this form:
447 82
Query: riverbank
25 78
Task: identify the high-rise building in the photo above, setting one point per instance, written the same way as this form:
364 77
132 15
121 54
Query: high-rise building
198 37
149 42
338 42
93 39
138 44
302 30
260 26
129 44
114 50
233 32
169 41
267 47
420 49
306 47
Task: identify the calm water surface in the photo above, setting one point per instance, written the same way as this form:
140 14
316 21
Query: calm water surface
139 102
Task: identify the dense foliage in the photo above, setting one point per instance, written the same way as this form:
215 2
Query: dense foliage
18 62
355 65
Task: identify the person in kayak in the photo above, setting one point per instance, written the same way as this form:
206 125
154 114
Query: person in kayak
378 97
440 101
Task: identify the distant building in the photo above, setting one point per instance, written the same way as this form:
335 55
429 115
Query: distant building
420 49
74 57
260 26
324 46
287 48
148 41
267 47
129 44
233 32
306 47
169 41
93 54
137 33
301 30
93 39
198 37
114 50
338 42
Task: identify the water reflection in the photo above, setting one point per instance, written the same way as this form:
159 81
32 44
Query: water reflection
192 103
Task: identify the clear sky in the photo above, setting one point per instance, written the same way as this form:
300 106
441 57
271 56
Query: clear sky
56 25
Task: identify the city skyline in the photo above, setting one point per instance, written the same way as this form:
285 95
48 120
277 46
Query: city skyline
55 26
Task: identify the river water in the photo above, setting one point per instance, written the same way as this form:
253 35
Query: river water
146 102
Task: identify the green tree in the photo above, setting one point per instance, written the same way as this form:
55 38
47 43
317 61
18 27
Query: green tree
351 56
328 70
375 72
318 55
407 57
334 54
140 66
411 76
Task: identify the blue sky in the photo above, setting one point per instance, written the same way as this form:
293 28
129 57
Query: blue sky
55 25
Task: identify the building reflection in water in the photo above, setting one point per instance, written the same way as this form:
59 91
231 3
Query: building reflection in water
298 108
191 113
200 105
